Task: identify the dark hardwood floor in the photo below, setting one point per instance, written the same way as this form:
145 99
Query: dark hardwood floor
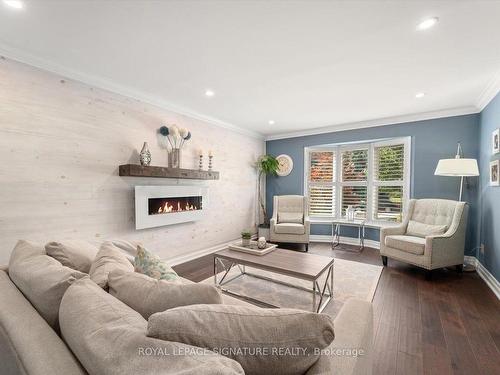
447 325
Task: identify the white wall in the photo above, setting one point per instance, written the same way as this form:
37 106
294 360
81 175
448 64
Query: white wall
61 142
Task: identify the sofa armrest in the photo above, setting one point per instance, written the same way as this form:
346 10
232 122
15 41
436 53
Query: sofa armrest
392 231
272 224
307 224
350 351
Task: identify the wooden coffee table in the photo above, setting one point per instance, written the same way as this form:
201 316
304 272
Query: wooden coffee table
302 266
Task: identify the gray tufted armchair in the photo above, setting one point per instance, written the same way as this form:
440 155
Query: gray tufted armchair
431 236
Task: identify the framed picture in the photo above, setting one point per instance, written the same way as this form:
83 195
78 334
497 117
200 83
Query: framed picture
494 173
495 141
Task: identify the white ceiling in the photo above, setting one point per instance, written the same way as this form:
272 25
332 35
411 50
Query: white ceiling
304 64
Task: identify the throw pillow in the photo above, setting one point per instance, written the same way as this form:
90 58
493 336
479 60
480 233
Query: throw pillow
107 259
151 265
75 254
109 338
42 279
148 296
263 341
418 229
290 217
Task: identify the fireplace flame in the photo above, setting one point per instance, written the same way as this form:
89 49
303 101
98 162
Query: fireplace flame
170 208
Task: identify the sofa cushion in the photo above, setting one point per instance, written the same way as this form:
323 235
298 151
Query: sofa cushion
290 217
148 296
409 244
290 228
151 265
28 345
107 259
418 229
109 338
263 341
76 254
128 247
42 279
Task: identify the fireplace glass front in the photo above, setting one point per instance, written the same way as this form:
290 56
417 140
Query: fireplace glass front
158 206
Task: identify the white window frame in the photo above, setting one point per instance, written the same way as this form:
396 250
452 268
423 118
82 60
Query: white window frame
370 183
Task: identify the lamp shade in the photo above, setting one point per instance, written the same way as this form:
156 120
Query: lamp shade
457 167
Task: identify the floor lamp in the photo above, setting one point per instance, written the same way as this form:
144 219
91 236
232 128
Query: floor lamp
458 167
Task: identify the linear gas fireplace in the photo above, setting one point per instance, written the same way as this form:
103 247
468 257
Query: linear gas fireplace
158 206
164 205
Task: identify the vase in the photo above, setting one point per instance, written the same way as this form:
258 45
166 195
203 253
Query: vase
174 158
350 213
145 155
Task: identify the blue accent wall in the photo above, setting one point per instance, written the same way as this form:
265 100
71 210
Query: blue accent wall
431 140
489 217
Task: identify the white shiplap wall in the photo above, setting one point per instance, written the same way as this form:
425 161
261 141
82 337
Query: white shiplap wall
61 142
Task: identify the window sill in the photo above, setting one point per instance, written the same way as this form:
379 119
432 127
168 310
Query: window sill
368 224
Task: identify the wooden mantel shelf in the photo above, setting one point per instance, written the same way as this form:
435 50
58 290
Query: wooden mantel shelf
136 170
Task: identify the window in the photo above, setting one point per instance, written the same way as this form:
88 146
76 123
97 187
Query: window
373 177
321 183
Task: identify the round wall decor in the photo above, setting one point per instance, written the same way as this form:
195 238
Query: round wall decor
285 165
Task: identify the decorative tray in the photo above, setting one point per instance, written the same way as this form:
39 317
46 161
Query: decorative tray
253 248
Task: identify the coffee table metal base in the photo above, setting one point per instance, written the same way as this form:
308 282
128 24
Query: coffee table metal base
320 296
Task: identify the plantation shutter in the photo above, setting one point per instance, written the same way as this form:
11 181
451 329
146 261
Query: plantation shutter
355 181
389 181
321 183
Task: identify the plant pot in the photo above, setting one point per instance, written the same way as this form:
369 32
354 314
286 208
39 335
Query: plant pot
263 231
245 242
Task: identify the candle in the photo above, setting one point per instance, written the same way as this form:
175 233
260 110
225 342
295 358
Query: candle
200 152
210 153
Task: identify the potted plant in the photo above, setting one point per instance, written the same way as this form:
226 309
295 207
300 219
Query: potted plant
266 165
246 235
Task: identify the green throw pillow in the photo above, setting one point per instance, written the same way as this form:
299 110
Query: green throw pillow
151 265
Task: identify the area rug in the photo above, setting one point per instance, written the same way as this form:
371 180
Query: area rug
350 280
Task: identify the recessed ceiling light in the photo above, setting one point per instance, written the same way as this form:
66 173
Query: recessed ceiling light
427 23
209 93
271 122
419 95
14 3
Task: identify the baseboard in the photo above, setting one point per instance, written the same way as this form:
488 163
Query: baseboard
488 278
344 240
197 254
202 252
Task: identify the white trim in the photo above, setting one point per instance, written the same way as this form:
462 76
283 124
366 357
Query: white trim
202 252
489 92
105 84
415 117
198 254
344 240
487 277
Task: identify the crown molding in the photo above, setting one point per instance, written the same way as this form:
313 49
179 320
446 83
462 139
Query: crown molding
378 122
102 83
489 92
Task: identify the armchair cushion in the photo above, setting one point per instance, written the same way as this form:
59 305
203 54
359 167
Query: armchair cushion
409 244
290 228
423 230
290 217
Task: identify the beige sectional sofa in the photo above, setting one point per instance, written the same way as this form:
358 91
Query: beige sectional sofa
99 334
